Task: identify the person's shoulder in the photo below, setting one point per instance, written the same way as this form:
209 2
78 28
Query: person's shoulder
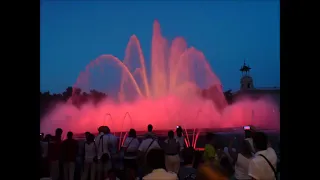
172 174
256 160
271 150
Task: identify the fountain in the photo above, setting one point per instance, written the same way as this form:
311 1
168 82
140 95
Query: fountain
167 96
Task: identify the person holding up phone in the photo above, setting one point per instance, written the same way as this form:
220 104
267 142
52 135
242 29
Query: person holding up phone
248 137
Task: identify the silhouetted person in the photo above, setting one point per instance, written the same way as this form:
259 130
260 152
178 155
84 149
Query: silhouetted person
264 163
44 145
86 134
130 149
41 136
150 128
180 138
187 171
172 149
248 137
103 143
113 148
150 133
146 145
90 151
54 154
241 160
69 150
156 160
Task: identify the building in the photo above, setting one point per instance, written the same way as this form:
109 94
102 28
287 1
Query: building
248 90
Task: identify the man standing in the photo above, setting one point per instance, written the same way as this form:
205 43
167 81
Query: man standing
69 150
150 133
263 165
172 149
103 142
54 154
145 146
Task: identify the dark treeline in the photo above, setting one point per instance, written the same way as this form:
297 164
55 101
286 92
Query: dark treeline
48 100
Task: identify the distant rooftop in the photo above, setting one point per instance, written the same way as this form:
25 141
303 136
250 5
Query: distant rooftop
259 89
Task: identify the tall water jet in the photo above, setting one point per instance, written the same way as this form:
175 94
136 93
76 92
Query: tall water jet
170 96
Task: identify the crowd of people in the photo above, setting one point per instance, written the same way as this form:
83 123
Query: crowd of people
149 159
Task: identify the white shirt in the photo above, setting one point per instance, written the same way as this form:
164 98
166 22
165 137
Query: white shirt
102 143
241 167
145 144
259 167
90 152
181 142
160 174
132 145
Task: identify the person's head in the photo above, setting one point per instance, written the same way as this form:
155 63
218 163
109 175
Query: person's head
104 129
171 134
41 136
150 127
155 159
260 141
90 138
210 137
188 155
247 134
47 138
132 133
246 148
58 132
108 131
179 131
87 134
69 135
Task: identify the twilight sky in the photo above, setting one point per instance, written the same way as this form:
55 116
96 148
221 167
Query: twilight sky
72 33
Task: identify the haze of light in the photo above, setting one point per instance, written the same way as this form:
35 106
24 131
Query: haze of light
169 95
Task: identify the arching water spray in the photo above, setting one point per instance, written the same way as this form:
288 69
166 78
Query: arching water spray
178 75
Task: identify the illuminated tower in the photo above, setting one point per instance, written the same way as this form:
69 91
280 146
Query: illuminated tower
246 80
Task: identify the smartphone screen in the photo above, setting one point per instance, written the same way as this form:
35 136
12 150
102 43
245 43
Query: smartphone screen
246 127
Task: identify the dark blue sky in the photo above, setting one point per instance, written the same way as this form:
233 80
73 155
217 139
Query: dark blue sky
73 33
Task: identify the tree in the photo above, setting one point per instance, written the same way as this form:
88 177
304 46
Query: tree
67 93
228 95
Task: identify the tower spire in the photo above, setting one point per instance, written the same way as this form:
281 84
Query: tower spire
246 80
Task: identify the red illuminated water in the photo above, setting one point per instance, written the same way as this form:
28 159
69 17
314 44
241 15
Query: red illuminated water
167 96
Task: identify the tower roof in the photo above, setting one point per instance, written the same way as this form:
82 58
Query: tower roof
245 67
